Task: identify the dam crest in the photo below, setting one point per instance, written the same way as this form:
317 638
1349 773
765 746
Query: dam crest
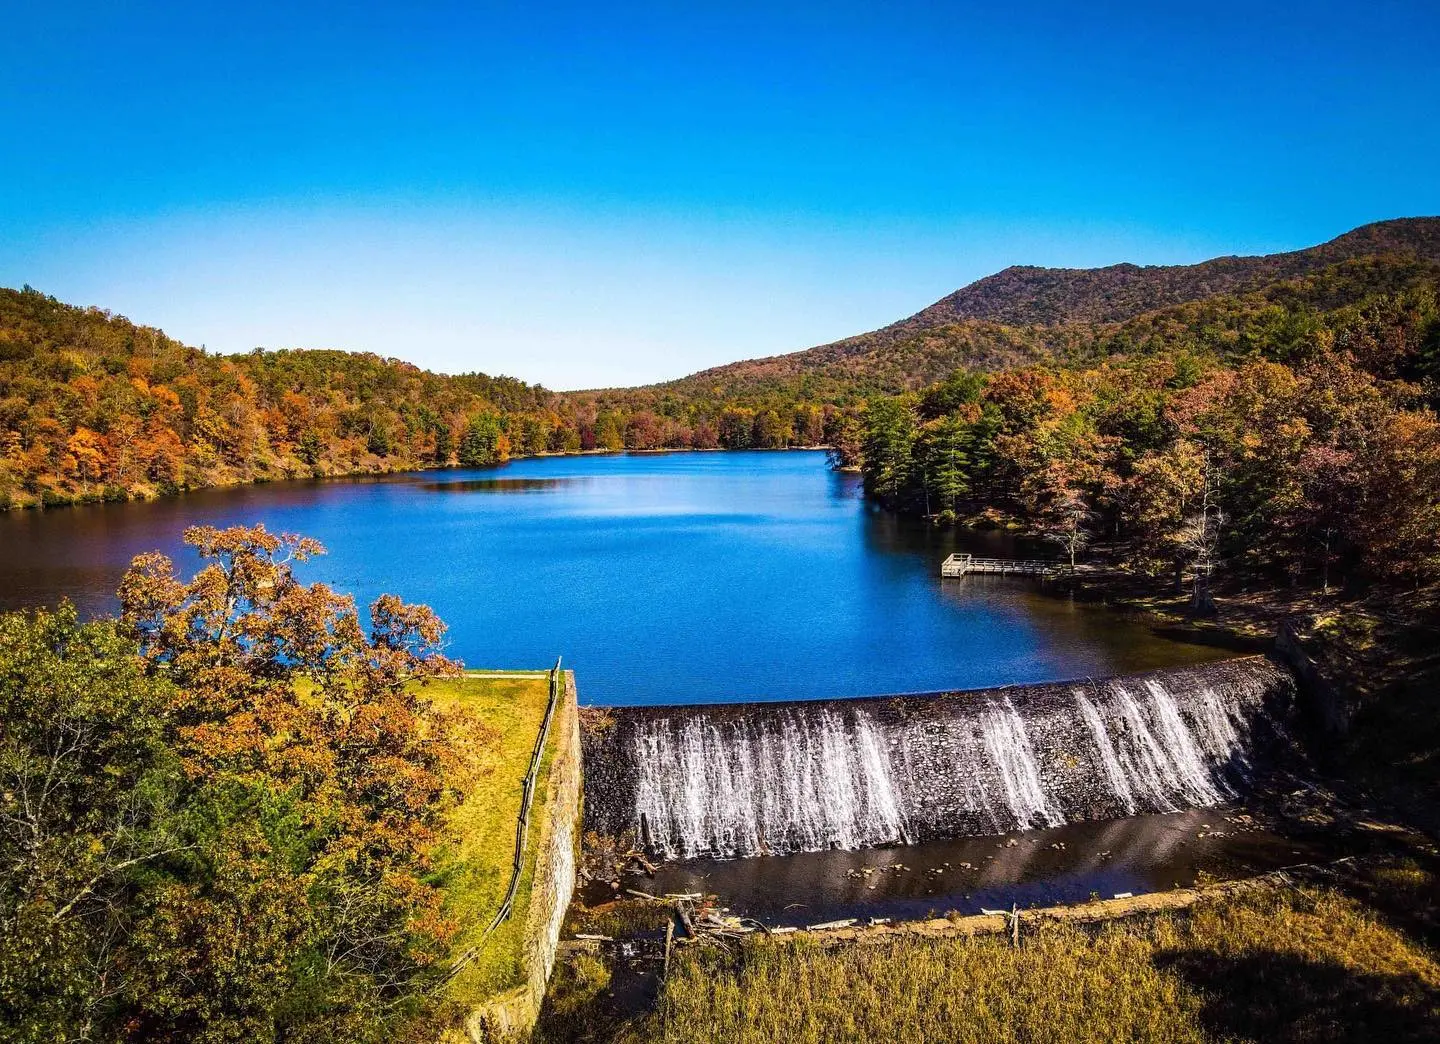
748 779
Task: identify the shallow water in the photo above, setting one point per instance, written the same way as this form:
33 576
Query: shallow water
660 578
1068 864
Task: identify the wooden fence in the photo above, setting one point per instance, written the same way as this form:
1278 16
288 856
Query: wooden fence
527 798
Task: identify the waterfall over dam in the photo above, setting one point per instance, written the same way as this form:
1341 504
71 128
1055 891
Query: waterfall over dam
746 779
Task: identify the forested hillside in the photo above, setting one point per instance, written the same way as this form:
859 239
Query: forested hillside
1289 432
1024 312
93 406
1024 294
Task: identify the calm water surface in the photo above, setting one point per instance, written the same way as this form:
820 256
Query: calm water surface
1061 865
686 577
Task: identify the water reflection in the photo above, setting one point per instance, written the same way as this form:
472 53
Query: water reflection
660 578
499 485
1067 864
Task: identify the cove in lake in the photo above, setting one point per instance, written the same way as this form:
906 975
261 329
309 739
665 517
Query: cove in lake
660 578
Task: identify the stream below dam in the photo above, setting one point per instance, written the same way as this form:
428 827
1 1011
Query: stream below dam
1068 864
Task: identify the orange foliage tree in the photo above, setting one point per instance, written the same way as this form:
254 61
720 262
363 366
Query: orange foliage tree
325 770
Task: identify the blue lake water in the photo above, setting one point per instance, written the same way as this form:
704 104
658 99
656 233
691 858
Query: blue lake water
660 578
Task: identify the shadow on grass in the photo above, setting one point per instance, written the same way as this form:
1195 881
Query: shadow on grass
1404 890
1286 999
593 999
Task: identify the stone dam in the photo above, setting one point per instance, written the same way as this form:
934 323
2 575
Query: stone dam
735 780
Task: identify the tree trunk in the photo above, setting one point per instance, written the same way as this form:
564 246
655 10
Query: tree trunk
1202 602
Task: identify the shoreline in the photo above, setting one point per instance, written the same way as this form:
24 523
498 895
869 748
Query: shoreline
132 497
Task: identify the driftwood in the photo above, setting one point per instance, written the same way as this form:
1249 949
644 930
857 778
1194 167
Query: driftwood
695 917
827 925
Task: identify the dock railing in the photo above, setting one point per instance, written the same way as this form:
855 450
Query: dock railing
964 565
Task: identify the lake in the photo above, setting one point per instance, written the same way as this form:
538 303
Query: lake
660 578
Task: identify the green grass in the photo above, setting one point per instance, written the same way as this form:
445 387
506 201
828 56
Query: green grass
1274 965
474 865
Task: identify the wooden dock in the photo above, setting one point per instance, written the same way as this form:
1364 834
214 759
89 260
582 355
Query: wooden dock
963 565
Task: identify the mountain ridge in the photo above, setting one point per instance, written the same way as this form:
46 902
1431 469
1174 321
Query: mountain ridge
1033 296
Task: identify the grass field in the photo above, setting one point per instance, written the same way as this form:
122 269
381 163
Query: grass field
1280 964
474 866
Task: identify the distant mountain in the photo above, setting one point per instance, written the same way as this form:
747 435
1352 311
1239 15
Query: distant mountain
1025 311
1027 295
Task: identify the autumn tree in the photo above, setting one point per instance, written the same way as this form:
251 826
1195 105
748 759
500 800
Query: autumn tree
770 430
609 433
86 454
1156 500
91 807
1066 519
323 771
737 428
844 435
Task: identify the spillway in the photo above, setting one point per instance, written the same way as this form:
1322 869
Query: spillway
747 779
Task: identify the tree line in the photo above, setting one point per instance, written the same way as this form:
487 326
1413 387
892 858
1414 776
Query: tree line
94 407
1280 439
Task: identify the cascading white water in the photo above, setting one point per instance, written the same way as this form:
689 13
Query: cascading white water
1156 754
806 782
815 780
850 774
1009 748
1115 774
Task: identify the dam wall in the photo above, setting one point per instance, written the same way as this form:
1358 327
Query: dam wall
511 1015
748 779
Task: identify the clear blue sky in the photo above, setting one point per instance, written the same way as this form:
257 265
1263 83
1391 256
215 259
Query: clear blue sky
602 194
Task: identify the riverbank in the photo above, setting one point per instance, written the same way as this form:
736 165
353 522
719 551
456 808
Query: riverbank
378 468
1302 956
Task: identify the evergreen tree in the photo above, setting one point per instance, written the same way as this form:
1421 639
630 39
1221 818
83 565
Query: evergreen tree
888 445
941 455
480 445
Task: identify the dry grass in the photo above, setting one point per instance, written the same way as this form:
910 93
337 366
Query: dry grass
474 866
623 918
1276 965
